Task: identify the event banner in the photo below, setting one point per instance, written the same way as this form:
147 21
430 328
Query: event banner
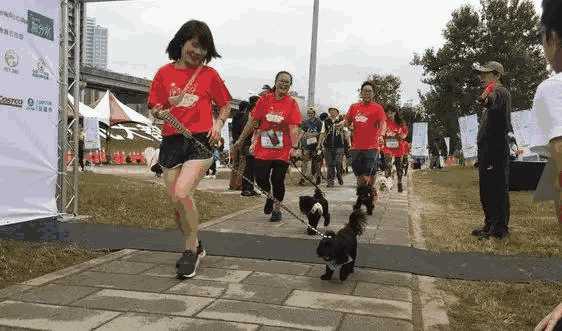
469 133
419 140
91 133
448 143
29 94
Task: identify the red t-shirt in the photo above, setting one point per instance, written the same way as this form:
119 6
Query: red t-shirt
207 86
275 116
366 120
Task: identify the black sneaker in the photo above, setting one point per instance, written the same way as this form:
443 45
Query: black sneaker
276 216
480 232
340 180
187 265
248 193
268 208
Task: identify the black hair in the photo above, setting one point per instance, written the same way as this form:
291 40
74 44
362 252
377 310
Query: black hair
193 29
253 99
397 117
367 83
277 77
552 17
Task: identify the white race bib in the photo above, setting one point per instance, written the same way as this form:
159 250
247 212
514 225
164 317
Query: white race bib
392 143
311 141
267 143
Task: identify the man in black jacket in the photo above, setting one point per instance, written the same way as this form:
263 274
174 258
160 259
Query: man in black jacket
493 151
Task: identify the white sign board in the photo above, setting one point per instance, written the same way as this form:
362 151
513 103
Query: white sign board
91 133
29 102
419 140
524 127
469 133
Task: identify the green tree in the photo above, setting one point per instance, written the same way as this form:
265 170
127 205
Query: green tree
387 89
502 30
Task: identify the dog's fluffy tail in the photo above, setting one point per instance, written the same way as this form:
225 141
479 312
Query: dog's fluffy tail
357 222
318 194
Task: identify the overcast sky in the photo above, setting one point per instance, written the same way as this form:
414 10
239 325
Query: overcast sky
259 38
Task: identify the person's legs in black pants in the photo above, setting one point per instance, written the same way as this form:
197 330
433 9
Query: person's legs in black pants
213 169
262 172
499 201
329 155
278 173
338 164
398 165
248 185
484 183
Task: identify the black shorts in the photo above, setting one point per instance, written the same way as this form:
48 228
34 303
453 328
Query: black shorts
177 149
364 162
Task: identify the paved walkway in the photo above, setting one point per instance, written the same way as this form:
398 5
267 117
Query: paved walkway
136 290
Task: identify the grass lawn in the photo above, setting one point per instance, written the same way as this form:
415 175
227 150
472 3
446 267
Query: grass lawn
136 202
450 210
449 207
21 260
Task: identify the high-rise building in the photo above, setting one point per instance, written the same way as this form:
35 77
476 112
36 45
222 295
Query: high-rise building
95 44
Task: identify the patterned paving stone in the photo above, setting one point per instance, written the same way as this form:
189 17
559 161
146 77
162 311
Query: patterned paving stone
140 322
351 304
272 315
145 302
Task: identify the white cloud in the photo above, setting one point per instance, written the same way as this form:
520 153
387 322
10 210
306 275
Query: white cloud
259 38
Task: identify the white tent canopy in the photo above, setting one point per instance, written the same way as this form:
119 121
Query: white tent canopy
84 110
111 111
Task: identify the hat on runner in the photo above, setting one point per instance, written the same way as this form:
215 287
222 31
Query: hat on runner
492 66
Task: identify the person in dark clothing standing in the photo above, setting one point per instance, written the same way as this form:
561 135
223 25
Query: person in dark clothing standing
332 139
493 151
310 134
248 182
435 151
239 119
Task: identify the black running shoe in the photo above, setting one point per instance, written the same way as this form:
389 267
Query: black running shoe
268 208
276 216
480 232
187 265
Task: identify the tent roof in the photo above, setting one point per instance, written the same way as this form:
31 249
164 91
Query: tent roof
84 110
112 111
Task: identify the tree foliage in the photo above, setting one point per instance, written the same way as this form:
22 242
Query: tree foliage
501 30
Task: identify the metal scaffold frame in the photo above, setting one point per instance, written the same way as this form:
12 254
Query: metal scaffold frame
69 132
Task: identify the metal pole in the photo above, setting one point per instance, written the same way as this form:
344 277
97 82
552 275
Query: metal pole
313 47
63 115
76 95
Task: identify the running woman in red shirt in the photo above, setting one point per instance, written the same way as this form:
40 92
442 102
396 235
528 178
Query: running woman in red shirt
369 122
396 132
277 118
185 88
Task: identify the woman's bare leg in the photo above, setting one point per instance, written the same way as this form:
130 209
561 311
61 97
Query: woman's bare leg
170 177
189 177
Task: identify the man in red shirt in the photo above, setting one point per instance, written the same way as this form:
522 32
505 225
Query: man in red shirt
369 124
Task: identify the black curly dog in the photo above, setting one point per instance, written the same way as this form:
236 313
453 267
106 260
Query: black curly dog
340 249
315 207
365 197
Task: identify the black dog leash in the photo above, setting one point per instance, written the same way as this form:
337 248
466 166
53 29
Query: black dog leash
293 163
181 129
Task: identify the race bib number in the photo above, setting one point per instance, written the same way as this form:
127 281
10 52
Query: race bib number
392 143
311 141
188 100
272 139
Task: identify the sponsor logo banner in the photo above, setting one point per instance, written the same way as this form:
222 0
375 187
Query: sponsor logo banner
39 25
12 102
